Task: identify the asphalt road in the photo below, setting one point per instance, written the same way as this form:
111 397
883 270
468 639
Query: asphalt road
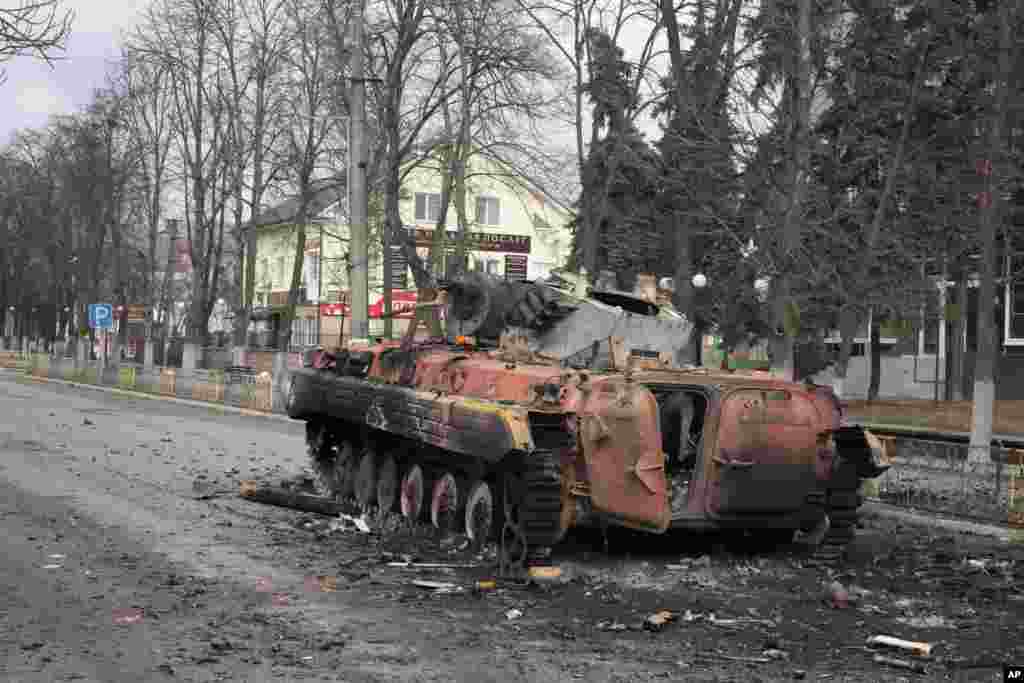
129 557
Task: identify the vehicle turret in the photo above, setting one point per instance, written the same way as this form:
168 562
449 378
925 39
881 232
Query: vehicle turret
561 319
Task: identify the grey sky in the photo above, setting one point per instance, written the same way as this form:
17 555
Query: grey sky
34 91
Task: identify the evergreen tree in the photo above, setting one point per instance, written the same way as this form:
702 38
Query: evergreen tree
620 178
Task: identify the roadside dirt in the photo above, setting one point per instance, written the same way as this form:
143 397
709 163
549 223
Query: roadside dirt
144 495
742 612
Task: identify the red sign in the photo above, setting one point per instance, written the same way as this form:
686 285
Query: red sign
327 310
403 305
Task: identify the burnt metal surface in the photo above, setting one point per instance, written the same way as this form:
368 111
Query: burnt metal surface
454 423
766 456
862 450
622 446
557 323
761 448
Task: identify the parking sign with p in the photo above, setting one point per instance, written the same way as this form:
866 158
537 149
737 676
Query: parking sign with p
101 316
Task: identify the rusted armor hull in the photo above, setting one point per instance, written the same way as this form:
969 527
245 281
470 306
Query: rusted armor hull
762 445
550 427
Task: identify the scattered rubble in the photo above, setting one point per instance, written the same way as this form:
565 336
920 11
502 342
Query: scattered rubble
838 595
439 586
916 648
659 620
929 621
917 667
741 621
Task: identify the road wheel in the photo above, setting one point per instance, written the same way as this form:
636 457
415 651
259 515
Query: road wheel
387 484
444 502
412 493
345 466
321 458
479 513
366 478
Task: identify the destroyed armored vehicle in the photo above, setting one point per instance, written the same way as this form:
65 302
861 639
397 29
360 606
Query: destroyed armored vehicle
549 405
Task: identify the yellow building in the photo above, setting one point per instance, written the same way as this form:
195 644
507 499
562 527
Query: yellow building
517 231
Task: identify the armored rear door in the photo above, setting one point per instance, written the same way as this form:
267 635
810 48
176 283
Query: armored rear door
764 458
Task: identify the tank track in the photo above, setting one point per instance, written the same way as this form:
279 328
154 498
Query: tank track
533 508
842 505
323 456
540 502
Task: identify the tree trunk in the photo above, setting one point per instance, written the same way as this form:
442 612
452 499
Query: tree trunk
875 351
462 238
583 225
251 235
989 204
153 297
392 226
955 338
293 290
240 321
849 321
792 226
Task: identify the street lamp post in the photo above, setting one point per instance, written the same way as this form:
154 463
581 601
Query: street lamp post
319 285
699 281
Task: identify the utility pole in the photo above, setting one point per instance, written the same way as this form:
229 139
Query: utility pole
357 189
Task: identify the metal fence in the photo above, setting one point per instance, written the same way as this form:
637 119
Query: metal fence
937 475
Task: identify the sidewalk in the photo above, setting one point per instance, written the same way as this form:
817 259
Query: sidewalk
140 394
932 520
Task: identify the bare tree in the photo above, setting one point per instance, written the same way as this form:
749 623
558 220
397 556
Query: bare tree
182 36
146 116
309 131
990 217
267 40
34 28
228 27
567 24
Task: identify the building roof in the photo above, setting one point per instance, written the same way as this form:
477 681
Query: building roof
330 191
326 193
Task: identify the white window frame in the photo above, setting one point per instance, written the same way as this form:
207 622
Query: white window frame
486 219
303 332
1008 303
941 322
863 335
429 199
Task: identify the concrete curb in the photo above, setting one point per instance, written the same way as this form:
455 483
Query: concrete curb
157 397
934 521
